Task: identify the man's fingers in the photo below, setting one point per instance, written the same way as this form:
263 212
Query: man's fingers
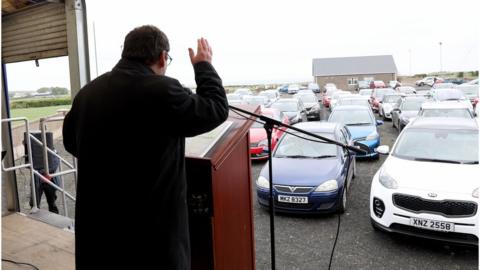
200 45
208 46
191 53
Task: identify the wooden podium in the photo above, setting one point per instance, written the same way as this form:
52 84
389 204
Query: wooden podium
220 197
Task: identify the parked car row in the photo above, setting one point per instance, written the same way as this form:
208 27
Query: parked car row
410 193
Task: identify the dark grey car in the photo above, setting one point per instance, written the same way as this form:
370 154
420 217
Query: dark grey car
293 108
405 109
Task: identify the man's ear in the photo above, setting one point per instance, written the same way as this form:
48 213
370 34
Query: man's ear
162 62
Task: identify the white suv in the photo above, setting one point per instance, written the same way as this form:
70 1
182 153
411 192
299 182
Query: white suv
428 185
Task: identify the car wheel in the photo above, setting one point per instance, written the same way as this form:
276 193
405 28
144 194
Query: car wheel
343 201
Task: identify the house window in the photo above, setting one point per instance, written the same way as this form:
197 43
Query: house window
353 80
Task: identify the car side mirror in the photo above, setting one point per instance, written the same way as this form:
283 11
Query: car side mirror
383 149
379 122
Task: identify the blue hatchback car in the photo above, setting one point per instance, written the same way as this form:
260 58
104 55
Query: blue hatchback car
309 176
362 125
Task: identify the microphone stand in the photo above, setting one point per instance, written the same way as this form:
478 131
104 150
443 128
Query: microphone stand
269 125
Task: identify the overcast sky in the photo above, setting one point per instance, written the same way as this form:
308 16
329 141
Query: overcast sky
275 41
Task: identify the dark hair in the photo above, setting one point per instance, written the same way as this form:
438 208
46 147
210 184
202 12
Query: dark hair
145 44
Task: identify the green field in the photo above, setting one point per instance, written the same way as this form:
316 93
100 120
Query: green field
33 114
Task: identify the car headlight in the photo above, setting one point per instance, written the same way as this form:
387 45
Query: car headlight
372 136
405 119
327 186
315 107
386 180
475 193
263 182
263 143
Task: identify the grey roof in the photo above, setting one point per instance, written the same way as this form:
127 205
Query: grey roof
353 65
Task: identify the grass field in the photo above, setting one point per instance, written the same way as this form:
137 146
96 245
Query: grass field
33 114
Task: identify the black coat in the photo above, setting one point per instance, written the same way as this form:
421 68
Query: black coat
127 128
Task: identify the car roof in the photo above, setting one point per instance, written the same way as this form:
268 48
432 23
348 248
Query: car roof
318 127
444 123
287 100
449 104
415 97
350 107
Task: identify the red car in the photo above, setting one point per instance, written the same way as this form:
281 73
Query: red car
258 135
377 84
327 95
377 96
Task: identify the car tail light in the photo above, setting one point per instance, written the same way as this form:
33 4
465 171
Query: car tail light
378 207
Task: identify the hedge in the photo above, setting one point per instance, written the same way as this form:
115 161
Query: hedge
36 103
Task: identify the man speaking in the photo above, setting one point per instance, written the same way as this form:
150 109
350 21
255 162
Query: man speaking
127 128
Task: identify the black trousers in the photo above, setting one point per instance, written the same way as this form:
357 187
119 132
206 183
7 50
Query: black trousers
50 193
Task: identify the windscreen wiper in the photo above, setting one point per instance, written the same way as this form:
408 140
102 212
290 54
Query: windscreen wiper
438 160
298 156
324 156
470 162
359 124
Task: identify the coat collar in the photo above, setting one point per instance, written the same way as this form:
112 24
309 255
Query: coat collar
132 67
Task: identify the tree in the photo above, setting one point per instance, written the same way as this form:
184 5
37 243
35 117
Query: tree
43 90
56 91
59 91
460 74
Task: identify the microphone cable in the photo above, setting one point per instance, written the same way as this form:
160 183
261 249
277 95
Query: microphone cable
20 263
313 140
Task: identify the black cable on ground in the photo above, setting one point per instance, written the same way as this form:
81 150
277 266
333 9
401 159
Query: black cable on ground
334 243
20 263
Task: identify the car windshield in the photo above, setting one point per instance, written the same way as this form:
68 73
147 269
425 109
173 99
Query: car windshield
330 91
443 85
351 117
391 99
234 97
379 93
469 90
439 145
268 94
308 98
293 146
406 90
285 106
254 100
363 83
366 92
412 105
449 95
460 113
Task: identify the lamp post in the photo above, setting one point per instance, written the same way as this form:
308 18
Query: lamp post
441 66
410 62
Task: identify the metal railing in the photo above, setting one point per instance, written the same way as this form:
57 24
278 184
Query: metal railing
46 150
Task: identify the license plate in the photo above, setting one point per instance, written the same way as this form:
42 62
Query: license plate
432 224
292 199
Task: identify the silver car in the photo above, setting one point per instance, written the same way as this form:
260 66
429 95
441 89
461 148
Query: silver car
406 109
